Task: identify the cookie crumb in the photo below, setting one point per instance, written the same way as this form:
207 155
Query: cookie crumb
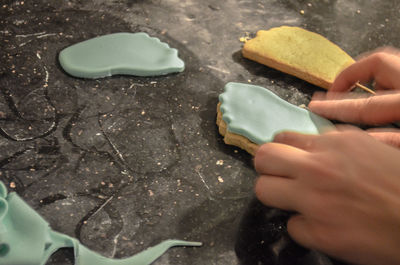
244 39
303 106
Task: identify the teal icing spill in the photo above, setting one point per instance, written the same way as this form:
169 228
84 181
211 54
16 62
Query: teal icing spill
258 114
120 53
27 239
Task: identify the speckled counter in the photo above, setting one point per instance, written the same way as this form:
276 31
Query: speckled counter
122 163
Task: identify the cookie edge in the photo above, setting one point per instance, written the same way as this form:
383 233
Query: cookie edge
232 138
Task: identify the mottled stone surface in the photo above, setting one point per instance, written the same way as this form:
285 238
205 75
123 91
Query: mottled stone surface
124 162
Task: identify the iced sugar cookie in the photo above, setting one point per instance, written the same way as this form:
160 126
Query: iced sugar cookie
250 115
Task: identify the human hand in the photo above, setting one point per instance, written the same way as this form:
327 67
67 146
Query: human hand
383 66
344 187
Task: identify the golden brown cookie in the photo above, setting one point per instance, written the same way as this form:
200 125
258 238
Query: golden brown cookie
299 52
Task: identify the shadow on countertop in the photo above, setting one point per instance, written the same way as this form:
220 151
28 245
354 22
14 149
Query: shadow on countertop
263 239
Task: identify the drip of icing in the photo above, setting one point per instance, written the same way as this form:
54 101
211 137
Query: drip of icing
258 114
120 53
27 239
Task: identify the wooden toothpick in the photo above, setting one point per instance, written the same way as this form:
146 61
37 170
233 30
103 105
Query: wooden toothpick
365 88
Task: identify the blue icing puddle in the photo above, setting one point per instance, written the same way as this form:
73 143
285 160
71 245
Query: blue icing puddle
27 239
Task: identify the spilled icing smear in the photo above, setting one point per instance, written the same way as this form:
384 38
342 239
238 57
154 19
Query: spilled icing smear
120 53
258 114
27 239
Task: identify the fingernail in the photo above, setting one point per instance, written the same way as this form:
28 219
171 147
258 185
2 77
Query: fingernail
318 96
279 137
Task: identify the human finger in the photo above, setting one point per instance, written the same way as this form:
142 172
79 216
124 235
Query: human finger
276 192
279 160
360 71
384 67
377 109
388 136
298 140
323 96
384 49
346 128
378 87
319 96
299 229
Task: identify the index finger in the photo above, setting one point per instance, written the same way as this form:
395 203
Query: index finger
379 109
382 66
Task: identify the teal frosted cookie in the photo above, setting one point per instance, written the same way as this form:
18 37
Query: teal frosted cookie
250 115
120 54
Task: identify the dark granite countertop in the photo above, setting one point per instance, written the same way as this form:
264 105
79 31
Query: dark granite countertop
123 162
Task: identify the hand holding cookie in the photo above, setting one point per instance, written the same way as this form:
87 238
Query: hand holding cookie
344 187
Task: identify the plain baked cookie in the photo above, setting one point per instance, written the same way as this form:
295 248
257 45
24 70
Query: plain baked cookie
296 51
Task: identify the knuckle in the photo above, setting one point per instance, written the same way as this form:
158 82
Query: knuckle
262 150
260 190
326 168
259 156
363 112
346 140
379 57
281 136
393 139
324 239
263 153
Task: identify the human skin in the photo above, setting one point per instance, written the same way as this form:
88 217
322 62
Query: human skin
345 188
343 185
382 66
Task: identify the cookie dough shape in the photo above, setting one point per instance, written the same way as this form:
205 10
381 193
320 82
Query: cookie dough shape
27 239
120 54
250 115
296 51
